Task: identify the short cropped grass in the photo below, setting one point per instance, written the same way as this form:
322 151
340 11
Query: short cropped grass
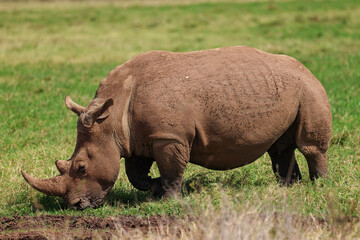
49 50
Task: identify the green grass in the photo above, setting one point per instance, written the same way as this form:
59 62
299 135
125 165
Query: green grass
55 49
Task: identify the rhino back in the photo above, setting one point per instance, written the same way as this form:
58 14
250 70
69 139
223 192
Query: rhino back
229 103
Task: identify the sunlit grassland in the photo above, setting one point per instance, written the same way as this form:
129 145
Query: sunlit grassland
55 49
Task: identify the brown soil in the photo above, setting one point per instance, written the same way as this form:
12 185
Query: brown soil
130 227
77 227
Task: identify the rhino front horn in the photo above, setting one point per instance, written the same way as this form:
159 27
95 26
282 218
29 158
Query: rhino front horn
52 186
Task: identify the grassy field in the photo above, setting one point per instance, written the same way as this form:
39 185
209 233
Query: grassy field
49 50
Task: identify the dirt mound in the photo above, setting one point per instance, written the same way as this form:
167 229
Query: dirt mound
77 227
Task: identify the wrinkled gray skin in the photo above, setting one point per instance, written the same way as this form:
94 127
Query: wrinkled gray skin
220 108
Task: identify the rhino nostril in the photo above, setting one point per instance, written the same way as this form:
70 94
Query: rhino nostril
81 205
77 205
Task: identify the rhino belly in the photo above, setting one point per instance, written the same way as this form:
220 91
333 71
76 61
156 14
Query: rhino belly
228 138
226 155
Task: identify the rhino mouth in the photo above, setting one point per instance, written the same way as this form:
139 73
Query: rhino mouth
83 203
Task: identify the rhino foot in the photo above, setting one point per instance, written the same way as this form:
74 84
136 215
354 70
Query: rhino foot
156 188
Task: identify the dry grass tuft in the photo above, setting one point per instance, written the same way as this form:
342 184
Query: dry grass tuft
247 224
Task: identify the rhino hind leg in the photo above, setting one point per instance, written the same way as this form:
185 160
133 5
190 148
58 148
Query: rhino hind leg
313 136
313 141
316 160
284 165
171 158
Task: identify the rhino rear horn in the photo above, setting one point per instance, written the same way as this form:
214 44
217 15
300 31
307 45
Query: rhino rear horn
62 166
52 186
98 109
76 108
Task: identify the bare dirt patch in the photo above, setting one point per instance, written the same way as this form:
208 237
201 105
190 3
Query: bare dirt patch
212 225
77 227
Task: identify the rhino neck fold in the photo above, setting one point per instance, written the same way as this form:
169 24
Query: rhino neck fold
122 133
126 116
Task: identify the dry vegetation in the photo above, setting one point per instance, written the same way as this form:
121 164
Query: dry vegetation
226 222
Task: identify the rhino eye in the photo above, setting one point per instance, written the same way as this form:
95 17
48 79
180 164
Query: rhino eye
81 169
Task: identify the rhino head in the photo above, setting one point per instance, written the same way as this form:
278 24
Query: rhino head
87 177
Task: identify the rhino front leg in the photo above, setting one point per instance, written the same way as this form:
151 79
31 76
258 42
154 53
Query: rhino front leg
171 158
137 170
283 158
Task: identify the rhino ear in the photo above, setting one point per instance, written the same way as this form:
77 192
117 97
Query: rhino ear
105 110
98 109
70 104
